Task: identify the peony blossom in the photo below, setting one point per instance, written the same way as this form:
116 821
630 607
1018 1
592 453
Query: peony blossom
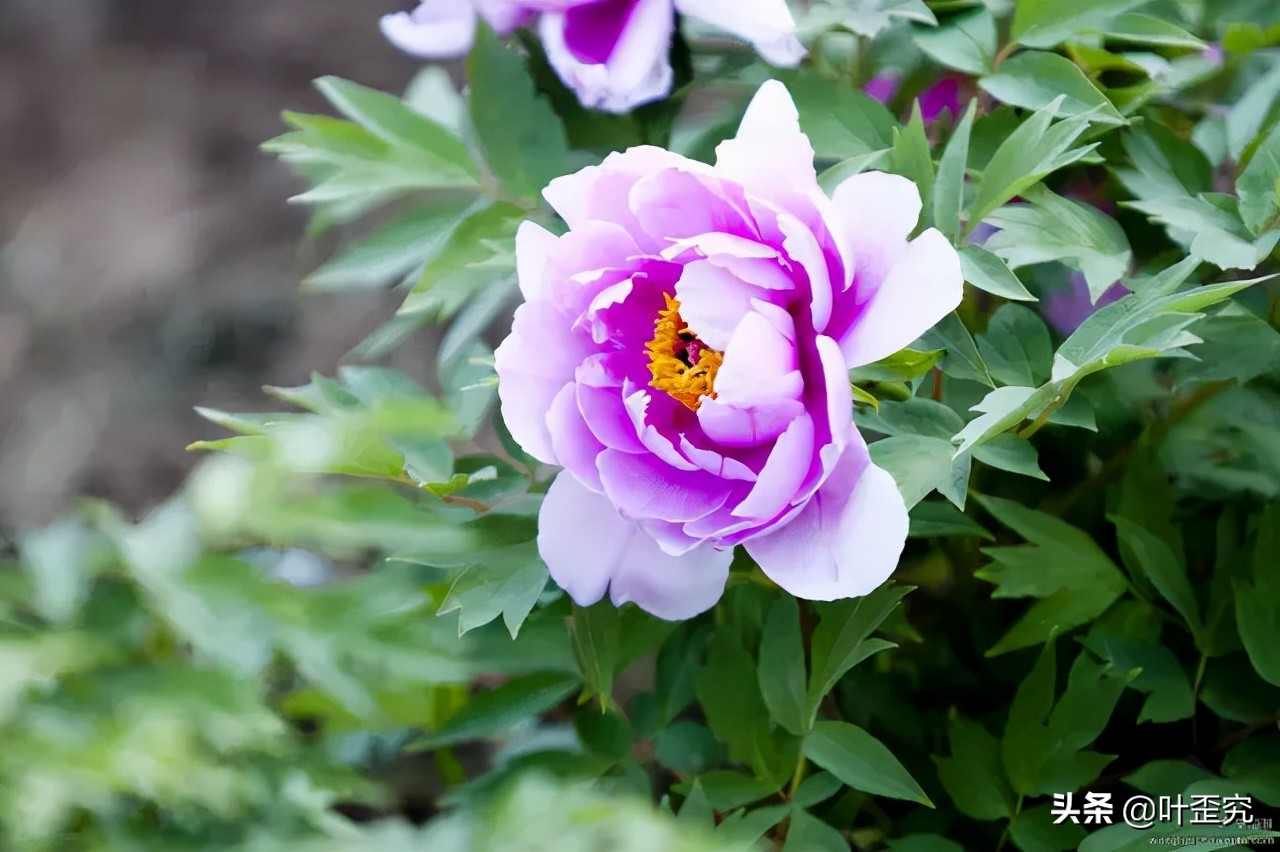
683 353
613 53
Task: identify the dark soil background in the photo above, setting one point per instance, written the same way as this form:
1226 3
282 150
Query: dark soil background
148 260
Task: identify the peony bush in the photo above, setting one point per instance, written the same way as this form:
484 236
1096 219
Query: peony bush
853 425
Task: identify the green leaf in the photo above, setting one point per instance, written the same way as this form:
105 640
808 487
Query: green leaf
1016 346
948 189
935 519
1055 228
861 761
1162 567
841 121
845 169
1044 743
521 134
1036 79
1061 564
1140 28
57 560
597 643
1162 678
1202 838
989 273
1048 23
400 126
842 638
1035 829
965 42
729 693
391 252
781 670
911 157
919 464
962 359
505 582
1249 115
1011 453
1213 224
497 710
1259 185
973 776
807 833
1035 149
1258 600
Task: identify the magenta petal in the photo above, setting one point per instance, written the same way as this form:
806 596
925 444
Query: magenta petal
589 547
642 486
848 539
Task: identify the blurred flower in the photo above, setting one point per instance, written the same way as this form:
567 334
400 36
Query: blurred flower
612 53
1067 308
942 96
683 353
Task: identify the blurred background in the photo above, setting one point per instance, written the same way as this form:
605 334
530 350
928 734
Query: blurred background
149 261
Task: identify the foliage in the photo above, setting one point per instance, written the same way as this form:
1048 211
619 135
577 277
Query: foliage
340 634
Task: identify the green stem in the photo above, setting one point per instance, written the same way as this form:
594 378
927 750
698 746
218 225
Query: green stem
796 777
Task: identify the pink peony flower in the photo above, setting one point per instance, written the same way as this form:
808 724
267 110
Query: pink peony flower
613 53
683 352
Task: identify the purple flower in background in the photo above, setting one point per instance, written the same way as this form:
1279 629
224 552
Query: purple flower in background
612 53
945 95
683 353
1066 309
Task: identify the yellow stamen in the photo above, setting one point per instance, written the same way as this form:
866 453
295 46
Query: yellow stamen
682 366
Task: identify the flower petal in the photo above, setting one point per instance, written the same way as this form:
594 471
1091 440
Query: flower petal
574 444
766 24
589 547
531 374
437 29
770 156
922 287
637 69
643 486
876 212
533 244
846 541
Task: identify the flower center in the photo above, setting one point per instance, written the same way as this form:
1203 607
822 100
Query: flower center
682 365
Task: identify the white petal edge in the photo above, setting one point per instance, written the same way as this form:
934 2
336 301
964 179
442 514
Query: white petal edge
920 288
588 547
766 24
770 155
846 541
437 29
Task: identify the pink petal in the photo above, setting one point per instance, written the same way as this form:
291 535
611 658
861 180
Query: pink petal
589 547
782 473
533 244
922 286
642 486
770 156
437 29
531 374
576 448
845 542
